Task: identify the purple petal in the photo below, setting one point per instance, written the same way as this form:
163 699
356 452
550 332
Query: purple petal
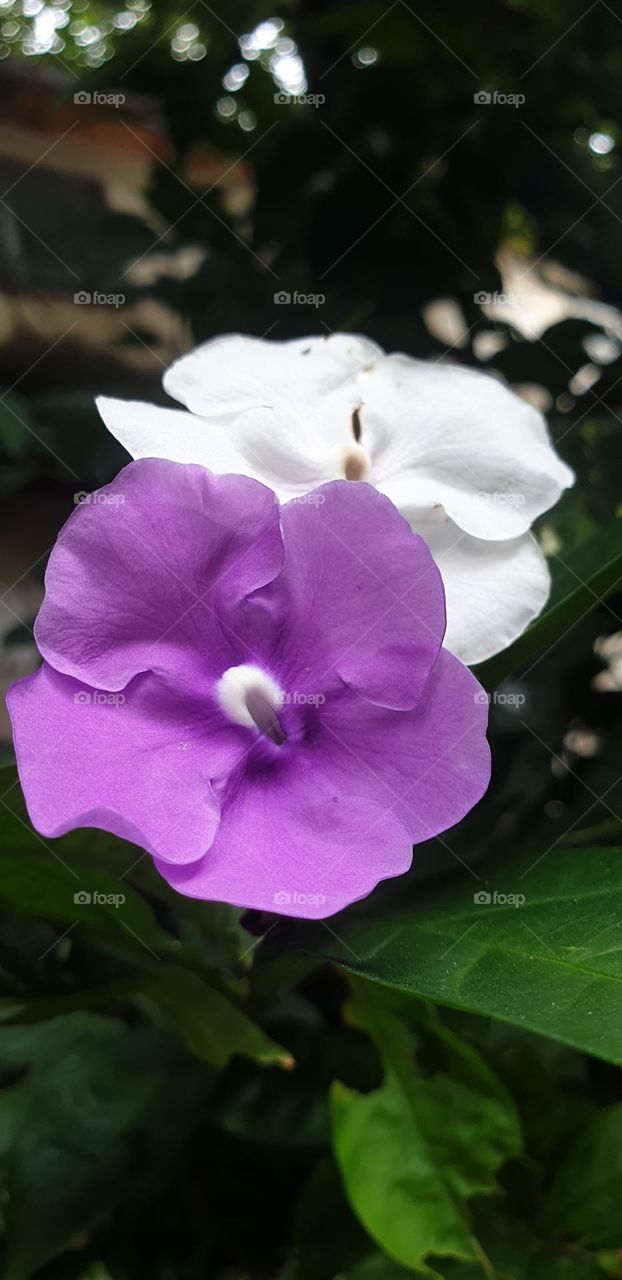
430 767
360 599
150 574
344 812
138 763
296 842
153 598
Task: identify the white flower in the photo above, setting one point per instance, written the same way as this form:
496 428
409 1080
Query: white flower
467 462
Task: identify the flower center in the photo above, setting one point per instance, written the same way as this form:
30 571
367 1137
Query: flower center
354 462
250 697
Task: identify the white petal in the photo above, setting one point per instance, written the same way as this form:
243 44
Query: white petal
307 386
441 434
468 462
148 431
493 589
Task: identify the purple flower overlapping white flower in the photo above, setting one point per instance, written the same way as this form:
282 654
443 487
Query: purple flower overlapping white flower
257 695
467 462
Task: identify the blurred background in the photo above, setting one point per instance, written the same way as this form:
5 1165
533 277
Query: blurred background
446 179
447 182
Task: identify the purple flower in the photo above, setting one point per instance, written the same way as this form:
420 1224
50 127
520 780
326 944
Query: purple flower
255 694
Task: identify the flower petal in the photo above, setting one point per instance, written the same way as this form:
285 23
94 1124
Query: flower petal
236 374
286 406
148 431
136 763
152 572
429 767
441 434
311 838
264 451
493 589
359 599
298 843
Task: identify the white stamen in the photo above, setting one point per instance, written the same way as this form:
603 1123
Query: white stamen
237 683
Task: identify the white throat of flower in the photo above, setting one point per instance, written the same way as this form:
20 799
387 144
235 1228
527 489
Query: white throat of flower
250 697
353 460
354 463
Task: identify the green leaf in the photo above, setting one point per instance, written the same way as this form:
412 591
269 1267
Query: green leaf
408 1173
524 1261
15 477
584 1201
39 877
91 1122
595 573
328 1237
42 885
377 1267
62 880
552 964
211 1025
290 1109
18 437
521 1262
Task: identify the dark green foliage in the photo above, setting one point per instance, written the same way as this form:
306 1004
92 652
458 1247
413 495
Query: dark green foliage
429 1084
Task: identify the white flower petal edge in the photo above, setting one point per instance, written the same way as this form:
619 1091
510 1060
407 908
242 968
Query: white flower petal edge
493 590
464 459
307 385
462 439
262 451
